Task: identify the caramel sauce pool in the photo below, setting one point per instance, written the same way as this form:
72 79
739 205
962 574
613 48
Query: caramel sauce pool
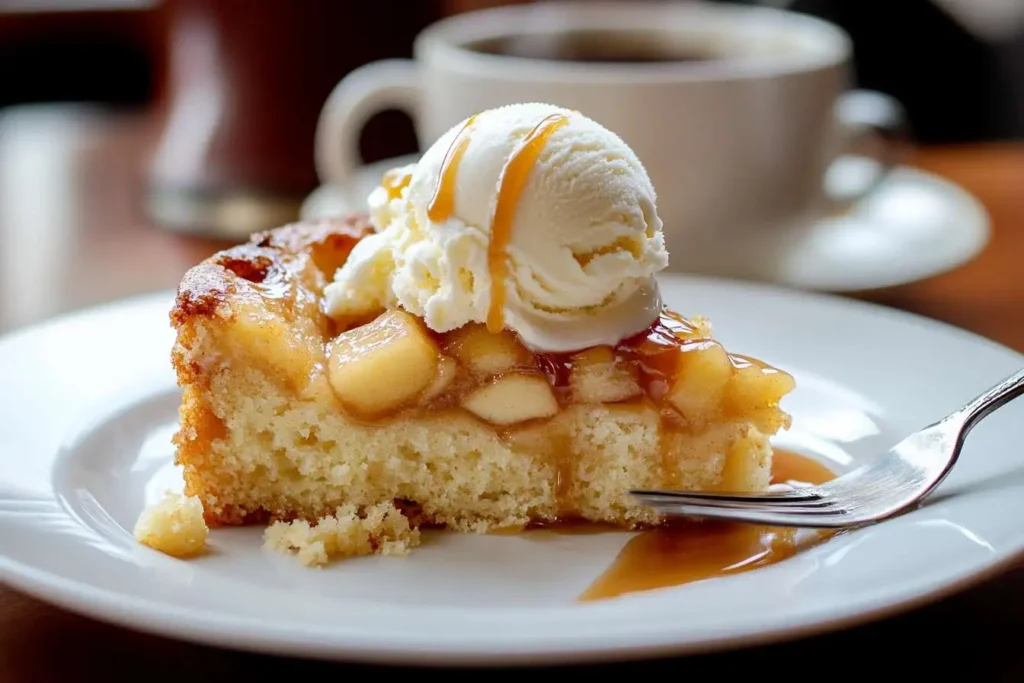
674 556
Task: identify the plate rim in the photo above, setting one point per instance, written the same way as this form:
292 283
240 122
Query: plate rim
157 617
172 622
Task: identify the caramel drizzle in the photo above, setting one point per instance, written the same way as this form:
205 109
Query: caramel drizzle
511 183
443 202
510 186
394 183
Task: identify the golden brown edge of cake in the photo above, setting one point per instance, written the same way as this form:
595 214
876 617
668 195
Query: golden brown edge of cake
208 293
289 266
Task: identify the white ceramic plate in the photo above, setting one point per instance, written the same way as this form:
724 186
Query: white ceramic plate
915 225
87 405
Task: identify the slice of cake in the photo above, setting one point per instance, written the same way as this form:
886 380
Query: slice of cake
487 349
286 416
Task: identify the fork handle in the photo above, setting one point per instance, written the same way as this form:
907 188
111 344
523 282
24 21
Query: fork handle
996 397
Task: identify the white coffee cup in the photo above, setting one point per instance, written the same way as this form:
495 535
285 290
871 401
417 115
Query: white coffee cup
737 143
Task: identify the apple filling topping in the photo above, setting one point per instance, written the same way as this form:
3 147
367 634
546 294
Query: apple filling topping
394 364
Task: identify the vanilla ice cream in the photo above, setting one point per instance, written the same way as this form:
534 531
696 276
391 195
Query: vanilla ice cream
529 217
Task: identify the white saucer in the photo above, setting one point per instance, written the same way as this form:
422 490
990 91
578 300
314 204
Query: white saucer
914 226
88 403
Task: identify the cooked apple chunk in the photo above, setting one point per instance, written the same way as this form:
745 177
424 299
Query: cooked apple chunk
485 353
382 365
447 370
596 377
702 372
511 398
258 335
752 387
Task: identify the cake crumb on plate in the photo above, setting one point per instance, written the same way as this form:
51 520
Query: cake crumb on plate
174 526
382 529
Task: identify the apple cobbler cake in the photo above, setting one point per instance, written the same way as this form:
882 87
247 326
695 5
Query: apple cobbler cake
288 414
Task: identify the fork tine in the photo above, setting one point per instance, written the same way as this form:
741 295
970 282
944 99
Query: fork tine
780 497
816 518
656 499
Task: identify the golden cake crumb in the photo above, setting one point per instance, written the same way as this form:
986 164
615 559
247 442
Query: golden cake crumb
381 529
174 526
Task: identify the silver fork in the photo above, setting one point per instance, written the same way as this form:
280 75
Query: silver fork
877 490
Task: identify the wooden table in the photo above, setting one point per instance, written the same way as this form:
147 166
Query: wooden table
72 233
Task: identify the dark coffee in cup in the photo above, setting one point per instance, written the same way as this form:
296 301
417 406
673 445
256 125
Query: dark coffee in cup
595 46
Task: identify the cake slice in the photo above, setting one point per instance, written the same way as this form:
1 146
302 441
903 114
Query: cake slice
290 414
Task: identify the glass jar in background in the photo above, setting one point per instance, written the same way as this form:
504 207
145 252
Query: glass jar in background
244 86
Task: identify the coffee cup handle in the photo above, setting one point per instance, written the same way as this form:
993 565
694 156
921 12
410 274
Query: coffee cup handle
363 92
874 127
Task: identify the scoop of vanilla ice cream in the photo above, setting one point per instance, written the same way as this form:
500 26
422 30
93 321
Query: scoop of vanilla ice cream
584 245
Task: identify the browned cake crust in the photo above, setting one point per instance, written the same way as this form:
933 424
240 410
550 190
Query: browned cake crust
294 263
272 256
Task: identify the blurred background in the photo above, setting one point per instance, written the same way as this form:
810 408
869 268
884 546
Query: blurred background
89 88
957 65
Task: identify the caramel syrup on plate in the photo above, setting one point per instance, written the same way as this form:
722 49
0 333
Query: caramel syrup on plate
673 556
